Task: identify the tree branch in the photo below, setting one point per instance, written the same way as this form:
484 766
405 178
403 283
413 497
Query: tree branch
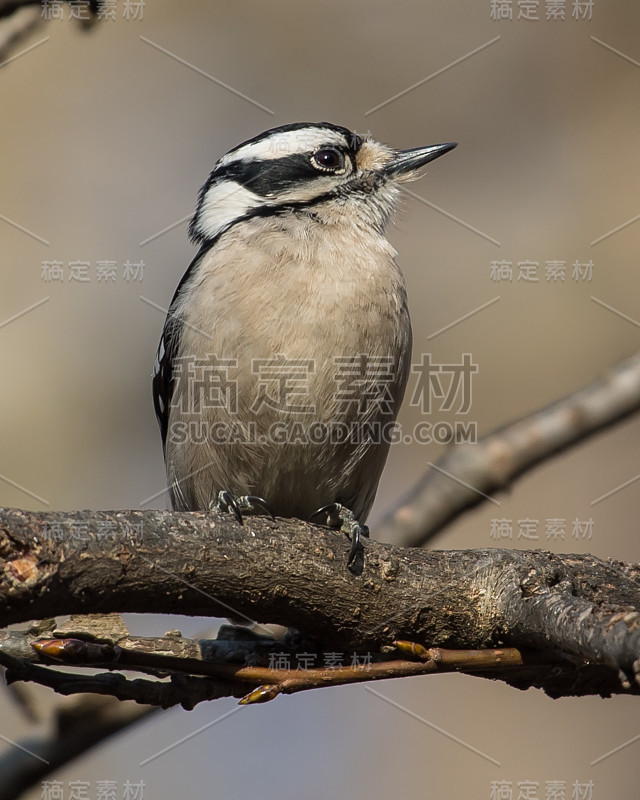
503 455
75 729
295 574
9 7
16 28
254 684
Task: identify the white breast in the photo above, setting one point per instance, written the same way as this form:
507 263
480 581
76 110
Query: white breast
316 293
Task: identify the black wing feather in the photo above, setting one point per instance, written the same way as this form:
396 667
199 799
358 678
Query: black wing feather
163 383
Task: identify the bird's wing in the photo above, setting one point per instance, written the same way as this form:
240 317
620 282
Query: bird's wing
162 381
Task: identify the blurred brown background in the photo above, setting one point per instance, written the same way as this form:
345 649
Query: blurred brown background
105 141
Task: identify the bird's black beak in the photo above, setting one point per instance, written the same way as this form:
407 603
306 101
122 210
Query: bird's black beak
406 162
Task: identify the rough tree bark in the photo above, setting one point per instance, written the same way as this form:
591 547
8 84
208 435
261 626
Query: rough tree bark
574 608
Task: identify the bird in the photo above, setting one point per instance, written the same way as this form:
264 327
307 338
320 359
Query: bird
286 348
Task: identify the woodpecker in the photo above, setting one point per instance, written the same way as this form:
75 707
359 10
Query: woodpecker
286 348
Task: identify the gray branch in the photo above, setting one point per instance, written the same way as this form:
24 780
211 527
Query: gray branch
76 728
503 455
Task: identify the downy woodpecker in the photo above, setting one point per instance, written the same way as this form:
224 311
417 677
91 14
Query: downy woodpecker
286 349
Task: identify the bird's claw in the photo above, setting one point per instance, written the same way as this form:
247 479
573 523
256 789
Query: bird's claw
338 516
247 504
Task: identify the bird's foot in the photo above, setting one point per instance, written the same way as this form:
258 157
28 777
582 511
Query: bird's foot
247 504
339 517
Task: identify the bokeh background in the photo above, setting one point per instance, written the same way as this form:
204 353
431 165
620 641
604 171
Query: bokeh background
106 137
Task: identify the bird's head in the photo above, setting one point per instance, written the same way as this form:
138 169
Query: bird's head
306 168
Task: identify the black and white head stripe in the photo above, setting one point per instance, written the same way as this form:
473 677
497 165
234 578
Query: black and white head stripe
299 137
282 167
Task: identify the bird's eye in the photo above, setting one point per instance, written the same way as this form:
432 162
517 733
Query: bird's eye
328 159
